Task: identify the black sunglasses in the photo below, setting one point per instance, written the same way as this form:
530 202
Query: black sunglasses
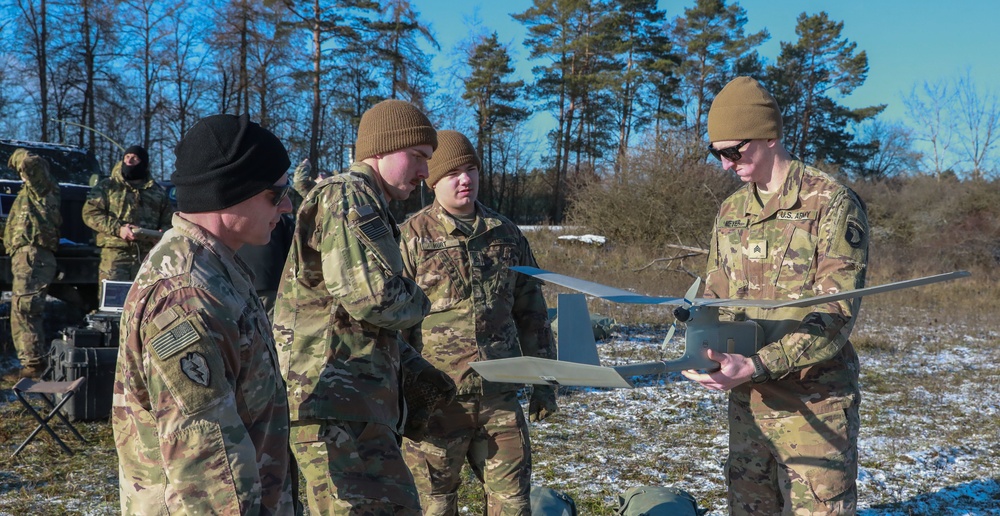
730 153
280 192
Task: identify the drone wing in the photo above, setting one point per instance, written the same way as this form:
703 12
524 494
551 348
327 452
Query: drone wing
549 372
616 295
623 296
837 296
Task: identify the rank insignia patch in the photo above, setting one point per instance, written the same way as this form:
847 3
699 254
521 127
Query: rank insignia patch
195 367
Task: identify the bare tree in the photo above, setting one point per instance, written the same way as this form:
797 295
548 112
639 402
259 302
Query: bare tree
978 113
36 25
929 108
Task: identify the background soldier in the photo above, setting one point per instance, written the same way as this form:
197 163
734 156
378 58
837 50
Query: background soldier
31 237
341 303
460 253
200 413
791 232
119 205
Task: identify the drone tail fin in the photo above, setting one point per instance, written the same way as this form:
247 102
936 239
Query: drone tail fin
576 334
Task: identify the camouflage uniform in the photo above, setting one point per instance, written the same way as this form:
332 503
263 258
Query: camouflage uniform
480 310
200 415
115 202
794 438
340 305
31 238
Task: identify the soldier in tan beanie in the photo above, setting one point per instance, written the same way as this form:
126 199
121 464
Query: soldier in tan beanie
460 252
341 303
791 232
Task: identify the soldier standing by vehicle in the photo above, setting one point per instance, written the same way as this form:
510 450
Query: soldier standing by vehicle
460 253
31 238
200 413
341 304
791 232
120 205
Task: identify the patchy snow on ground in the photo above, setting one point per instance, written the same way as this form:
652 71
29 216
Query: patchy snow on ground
586 239
928 443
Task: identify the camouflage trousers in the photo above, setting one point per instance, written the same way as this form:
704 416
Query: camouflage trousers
797 465
119 264
352 468
33 269
491 433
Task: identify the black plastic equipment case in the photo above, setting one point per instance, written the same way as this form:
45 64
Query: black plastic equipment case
102 330
68 362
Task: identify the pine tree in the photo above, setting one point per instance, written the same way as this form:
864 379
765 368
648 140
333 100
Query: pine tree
494 98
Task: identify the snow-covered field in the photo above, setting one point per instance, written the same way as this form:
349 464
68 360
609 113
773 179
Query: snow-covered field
929 437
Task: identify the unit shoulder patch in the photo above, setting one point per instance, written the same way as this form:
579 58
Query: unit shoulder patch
855 233
195 367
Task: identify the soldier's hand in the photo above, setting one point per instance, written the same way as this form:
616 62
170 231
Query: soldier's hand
440 381
542 403
301 171
126 234
16 158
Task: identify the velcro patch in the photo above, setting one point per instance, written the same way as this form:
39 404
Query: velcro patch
172 341
741 223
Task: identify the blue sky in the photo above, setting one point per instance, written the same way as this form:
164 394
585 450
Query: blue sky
907 42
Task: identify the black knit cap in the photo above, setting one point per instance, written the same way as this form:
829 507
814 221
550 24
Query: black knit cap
224 160
139 170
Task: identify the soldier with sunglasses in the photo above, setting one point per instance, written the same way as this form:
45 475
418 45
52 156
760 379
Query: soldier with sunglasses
200 413
791 232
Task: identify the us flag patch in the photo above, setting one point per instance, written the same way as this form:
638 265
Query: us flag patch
374 228
172 341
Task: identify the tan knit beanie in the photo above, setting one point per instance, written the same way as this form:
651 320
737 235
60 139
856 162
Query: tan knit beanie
392 125
744 110
454 150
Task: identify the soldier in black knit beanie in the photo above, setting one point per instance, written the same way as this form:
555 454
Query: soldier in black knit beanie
341 303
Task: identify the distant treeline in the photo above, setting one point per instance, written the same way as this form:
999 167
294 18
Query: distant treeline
618 78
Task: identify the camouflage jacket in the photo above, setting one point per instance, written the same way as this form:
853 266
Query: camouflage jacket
114 202
34 217
200 415
341 301
810 238
480 309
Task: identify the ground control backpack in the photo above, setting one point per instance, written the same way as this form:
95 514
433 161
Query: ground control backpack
546 501
657 501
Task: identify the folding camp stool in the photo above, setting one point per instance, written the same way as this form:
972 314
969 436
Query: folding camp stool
47 391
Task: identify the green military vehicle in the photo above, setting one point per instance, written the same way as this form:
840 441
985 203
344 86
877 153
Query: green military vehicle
78 258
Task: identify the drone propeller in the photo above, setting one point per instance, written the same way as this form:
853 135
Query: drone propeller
689 297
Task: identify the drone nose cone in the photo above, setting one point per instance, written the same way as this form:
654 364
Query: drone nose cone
682 314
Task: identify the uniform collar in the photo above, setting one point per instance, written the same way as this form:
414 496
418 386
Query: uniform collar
239 273
486 215
786 198
366 173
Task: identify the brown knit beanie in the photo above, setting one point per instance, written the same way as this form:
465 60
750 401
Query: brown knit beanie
392 125
454 150
744 110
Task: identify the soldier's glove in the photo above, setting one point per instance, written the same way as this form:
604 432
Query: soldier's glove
16 158
423 393
301 171
542 403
